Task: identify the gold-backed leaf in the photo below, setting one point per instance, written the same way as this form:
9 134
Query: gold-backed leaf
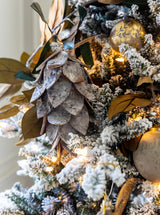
59 116
28 93
124 195
8 111
24 57
8 69
59 92
33 59
19 100
73 72
23 142
6 91
144 79
74 102
31 125
124 103
80 122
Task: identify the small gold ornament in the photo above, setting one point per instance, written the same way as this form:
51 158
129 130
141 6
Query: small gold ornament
128 31
110 1
147 156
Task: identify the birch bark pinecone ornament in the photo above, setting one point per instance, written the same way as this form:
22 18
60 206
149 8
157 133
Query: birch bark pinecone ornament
61 89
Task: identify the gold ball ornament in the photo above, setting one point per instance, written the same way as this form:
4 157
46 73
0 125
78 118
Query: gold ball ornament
128 31
147 156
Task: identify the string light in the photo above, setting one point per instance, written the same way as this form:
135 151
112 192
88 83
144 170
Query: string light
54 159
120 59
49 169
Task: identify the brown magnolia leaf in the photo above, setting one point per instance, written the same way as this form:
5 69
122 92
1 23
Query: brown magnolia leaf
144 79
59 116
8 69
24 57
31 125
23 142
125 103
80 122
52 132
28 93
74 102
43 105
132 144
19 100
59 92
74 59
39 90
64 132
124 195
55 16
58 60
85 89
8 111
51 76
73 71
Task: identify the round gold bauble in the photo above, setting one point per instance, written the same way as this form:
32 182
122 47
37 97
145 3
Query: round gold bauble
127 31
110 1
147 156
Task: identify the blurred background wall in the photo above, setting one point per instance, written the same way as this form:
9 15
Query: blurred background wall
19 31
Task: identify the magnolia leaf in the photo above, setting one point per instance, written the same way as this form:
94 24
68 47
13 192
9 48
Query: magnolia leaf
19 100
80 122
24 57
6 92
144 79
23 142
8 111
23 76
64 132
37 8
39 90
34 58
132 144
82 13
87 54
43 105
59 92
74 102
73 71
45 52
56 13
28 93
123 195
58 60
52 132
85 89
8 69
31 126
125 103
51 76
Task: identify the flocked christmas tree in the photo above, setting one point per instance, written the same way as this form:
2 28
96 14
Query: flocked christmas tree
86 104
